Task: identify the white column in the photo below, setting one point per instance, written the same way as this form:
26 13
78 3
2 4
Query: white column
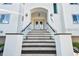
13 44
64 44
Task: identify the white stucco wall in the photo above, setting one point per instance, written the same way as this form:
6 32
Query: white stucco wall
13 22
63 21
68 11
49 6
58 23
13 45
64 45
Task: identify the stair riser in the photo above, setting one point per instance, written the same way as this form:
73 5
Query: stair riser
38 42
39 32
39 46
39 52
38 38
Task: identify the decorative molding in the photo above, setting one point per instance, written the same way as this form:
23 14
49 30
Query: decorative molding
71 29
63 34
2 36
14 34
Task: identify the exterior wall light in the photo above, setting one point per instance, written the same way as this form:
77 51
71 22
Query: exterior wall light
26 15
51 17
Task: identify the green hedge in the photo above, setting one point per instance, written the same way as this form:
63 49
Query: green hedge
1 45
76 44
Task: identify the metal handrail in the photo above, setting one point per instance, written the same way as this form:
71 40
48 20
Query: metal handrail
51 28
26 27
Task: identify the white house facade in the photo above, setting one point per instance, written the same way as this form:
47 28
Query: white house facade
39 28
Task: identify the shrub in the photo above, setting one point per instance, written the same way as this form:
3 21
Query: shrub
1 45
76 44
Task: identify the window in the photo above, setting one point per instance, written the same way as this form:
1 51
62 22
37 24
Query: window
41 23
75 19
55 7
4 18
36 22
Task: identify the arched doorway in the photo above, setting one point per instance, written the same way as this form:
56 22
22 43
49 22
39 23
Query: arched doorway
39 18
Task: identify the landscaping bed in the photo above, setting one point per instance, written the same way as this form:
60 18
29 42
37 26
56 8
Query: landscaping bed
76 47
1 49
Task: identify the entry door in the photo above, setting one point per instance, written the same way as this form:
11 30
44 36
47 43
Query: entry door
38 25
41 25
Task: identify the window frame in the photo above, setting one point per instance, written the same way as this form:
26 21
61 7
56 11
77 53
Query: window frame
75 18
55 8
4 18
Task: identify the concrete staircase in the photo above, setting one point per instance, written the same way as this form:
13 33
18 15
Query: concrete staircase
38 43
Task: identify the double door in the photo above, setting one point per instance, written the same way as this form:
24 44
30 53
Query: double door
39 25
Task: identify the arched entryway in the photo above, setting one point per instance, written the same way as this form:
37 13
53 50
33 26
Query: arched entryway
39 18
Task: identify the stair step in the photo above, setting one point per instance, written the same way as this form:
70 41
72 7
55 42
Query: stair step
38 41
39 44
34 33
38 37
38 54
38 34
38 48
39 31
